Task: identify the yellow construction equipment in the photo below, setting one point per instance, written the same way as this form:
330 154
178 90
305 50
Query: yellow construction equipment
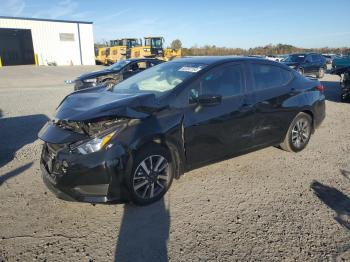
153 47
101 55
121 49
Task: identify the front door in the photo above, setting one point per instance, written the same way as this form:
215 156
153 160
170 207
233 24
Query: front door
213 132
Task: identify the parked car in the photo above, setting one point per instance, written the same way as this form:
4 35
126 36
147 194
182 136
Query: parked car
307 63
114 73
344 74
276 58
329 58
342 61
129 142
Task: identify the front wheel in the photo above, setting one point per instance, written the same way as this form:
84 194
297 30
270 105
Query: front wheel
299 133
151 176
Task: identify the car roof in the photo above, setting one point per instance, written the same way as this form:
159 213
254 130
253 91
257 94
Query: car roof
216 59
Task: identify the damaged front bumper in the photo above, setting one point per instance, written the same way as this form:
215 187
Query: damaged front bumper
94 178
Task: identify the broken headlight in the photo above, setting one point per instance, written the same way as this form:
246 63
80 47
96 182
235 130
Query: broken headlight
101 133
94 144
92 80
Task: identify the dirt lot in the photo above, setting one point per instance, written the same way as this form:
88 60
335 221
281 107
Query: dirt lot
269 205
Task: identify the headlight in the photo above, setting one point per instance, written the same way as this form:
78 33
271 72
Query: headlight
92 80
146 49
94 145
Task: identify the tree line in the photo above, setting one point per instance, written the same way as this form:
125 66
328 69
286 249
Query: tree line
269 49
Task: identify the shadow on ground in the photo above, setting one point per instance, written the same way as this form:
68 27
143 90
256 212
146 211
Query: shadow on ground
334 199
332 90
144 233
16 132
14 173
345 173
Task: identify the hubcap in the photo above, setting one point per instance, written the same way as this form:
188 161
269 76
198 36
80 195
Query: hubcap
151 177
300 133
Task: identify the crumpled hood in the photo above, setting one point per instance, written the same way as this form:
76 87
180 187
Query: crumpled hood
82 106
93 104
95 74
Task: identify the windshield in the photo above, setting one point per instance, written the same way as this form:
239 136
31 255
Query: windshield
295 58
119 65
159 79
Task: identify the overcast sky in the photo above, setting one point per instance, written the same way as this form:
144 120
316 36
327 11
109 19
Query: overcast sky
243 23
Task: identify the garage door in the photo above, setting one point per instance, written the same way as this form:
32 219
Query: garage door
16 47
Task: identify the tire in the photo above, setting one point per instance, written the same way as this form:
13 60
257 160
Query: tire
320 73
299 130
145 176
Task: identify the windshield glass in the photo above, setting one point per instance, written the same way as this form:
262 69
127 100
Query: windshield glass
119 65
159 79
295 58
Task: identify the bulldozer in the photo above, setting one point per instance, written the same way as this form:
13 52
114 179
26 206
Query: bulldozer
101 55
153 47
121 49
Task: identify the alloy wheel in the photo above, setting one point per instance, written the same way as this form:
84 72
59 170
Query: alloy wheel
300 133
151 177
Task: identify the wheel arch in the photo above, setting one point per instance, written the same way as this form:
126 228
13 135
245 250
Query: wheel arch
311 114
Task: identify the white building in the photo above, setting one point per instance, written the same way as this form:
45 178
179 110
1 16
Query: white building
45 41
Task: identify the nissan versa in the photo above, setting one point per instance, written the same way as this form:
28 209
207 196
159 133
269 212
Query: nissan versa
127 143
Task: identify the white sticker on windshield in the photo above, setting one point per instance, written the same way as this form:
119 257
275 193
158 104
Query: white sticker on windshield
190 69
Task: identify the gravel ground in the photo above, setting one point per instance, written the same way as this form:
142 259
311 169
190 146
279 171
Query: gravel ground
268 205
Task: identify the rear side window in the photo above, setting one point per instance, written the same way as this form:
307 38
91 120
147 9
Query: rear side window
269 76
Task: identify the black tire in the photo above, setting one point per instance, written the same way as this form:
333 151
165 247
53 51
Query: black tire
320 73
290 142
135 179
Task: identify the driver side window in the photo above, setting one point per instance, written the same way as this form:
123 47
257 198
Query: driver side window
225 81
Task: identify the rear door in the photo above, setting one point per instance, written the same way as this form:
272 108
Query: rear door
270 88
212 132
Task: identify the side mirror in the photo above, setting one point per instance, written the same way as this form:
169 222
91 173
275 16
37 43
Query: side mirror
209 100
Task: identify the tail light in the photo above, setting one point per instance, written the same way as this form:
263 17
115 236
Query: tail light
320 88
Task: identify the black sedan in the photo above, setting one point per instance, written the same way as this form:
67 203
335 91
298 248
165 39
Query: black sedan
114 73
129 142
307 63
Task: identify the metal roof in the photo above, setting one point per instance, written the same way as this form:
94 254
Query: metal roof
45 20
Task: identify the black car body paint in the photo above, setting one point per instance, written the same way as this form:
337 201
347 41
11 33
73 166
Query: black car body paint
194 134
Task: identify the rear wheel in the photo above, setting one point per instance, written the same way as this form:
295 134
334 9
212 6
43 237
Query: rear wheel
320 73
298 134
151 176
